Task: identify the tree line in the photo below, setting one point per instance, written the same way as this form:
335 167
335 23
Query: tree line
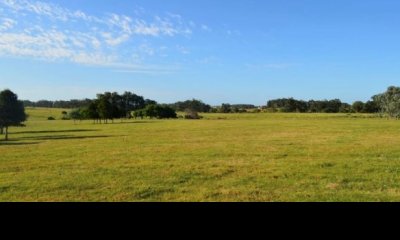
114 106
110 106
321 106
71 104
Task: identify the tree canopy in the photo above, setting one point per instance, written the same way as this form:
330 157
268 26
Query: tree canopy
321 106
109 106
191 105
12 111
155 111
389 102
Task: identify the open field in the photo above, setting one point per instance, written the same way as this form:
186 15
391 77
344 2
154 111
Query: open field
235 157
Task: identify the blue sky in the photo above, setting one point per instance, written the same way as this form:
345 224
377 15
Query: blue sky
242 51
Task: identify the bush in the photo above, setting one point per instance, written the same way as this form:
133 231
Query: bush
51 118
190 114
155 111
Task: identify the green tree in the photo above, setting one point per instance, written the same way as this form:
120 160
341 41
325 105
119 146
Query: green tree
194 105
371 107
138 114
358 107
64 115
76 114
225 108
104 107
345 108
132 102
159 111
12 111
91 112
389 102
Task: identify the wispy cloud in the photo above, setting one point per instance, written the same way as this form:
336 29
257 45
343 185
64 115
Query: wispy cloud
183 50
205 28
52 32
50 10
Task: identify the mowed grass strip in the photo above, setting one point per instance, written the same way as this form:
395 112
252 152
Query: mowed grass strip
223 157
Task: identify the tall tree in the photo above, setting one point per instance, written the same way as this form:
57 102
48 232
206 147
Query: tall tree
389 102
92 111
104 107
12 111
76 114
131 102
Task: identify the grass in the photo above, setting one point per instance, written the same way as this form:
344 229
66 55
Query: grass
223 157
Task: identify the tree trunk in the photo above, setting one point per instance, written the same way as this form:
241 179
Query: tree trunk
1 130
6 133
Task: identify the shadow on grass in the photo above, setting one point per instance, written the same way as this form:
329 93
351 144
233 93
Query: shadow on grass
57 131
15 143
37 139
64 137
135 122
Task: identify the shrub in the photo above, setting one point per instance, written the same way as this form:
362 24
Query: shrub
191 114
51 118
155 111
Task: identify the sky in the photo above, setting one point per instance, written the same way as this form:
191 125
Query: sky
241 51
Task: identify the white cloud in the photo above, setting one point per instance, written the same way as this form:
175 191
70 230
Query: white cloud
48 31
122 22
112 40
143 28
46 9
7 23
95 59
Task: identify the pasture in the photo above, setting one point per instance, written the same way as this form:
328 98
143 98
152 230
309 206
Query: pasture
223 157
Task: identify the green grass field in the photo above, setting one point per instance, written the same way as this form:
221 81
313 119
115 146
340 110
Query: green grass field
235 157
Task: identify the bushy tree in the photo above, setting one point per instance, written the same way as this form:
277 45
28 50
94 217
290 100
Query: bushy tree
288 105
358 107
104 107
132 102
371 107
77 114
91 112
138 114
225 108
159 111
194 105
389 102
12 111
345 108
